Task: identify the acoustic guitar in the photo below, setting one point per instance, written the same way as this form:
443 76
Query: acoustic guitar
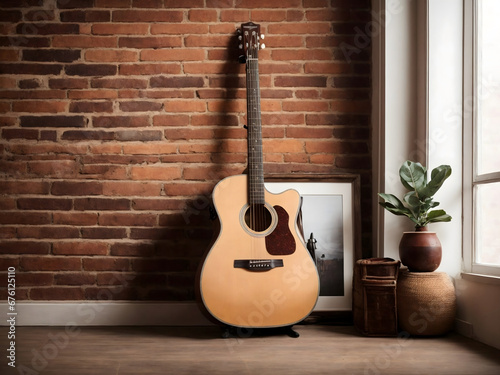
258 272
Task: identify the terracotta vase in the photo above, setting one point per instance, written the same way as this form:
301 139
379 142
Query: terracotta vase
420 250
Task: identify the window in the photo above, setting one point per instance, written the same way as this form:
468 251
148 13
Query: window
482 146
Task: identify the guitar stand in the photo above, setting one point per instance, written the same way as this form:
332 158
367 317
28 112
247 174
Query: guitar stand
236 332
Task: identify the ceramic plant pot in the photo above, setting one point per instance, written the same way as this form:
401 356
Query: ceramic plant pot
420 250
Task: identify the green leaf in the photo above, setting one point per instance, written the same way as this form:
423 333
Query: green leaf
412 175
438 177
438 216
394 205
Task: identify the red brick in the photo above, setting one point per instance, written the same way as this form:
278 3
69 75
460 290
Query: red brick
50 263
234 15
120 121
299 28
86 135
171 120
140 106
179 29
21 186
131 250
149 149
126 219
80 248
282 119
189 189
73 218
105 264
351 106
184 4
92 107
34 69
48 232
161 172
216 3
58 169
119 29
101 204
202 15
187 134
111 55
92 94
104 233
147 3
131 188
162 81
267 4
44 204
10 16
268 15
303 81
305 106
185 106
34 279
173 55
91 70
85 16
207 173
24 247
107 172
307 132
9 55
150 42
75 278
76 188
161 204
147 15
39 106
150 69
68 83
84 41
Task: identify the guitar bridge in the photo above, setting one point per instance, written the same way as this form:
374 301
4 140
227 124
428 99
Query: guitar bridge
258 264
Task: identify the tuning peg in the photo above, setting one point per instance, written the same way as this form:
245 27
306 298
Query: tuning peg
240 46
262 46
262 36
240 37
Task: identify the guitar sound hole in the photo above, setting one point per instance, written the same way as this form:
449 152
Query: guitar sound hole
258 218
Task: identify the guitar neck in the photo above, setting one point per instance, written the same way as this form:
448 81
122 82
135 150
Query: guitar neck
255 155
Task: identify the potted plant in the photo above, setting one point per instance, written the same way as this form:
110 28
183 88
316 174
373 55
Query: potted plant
420 250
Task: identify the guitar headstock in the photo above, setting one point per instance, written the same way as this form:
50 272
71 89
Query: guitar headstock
249 41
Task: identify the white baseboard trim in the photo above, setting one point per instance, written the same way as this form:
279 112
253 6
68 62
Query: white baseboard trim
105 314
464 328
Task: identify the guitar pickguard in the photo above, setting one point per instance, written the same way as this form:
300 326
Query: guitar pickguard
281 240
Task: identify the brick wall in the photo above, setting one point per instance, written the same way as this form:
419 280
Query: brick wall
118 117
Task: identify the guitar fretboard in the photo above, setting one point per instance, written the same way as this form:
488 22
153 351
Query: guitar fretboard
255 156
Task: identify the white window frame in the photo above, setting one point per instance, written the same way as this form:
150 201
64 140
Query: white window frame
470 118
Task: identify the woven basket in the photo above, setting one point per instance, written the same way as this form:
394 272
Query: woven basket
426 303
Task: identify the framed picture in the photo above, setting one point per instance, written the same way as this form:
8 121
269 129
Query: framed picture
330 218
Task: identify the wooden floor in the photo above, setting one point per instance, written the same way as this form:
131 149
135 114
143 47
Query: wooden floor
320 349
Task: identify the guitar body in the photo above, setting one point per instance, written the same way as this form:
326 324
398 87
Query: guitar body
257 279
